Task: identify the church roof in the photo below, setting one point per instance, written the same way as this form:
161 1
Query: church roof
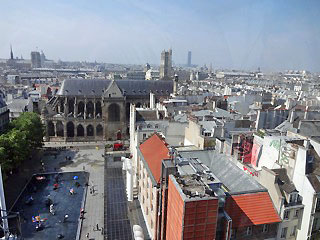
96 87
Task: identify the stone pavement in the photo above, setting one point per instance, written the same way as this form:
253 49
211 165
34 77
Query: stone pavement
92 161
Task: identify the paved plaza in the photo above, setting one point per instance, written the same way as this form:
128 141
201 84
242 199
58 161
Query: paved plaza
108 215
41 188
90 159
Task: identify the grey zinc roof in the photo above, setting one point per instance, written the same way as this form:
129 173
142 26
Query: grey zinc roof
95 87
146 115
284 182
208 125
18 104
143 87
226 171
89 87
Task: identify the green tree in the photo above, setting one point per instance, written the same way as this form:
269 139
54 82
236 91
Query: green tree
30 123
16 145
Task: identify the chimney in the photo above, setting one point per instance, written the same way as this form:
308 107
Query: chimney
175 84
292 116
152 100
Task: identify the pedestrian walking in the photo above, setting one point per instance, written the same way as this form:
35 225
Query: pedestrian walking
87 235
98 227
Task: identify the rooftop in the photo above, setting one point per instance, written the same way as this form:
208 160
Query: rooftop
251 209
153 151
283 181
231 176
96 87
193 188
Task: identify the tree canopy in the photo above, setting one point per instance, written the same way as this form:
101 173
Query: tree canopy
24 135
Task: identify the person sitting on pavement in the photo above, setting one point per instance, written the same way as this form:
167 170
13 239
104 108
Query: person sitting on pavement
65 218
71 191
52 210
55 186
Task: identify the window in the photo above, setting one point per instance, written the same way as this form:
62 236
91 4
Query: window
293 197
249 230
147 195
296 213
156 126
284 232
147 211
143 200
265 228
293 231
151 207
151 224
318 204
286 214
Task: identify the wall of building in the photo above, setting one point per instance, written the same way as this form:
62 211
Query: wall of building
270 119
305 189
175 213
257 232
193 135
190 218
148 200
267 178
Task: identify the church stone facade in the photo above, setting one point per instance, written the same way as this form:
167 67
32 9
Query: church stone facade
97 109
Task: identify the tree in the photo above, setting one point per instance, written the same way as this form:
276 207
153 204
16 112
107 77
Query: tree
30 123
24 135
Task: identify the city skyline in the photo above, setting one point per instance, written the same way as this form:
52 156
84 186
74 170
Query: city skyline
246 35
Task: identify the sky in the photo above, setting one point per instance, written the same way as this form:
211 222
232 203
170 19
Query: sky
274 35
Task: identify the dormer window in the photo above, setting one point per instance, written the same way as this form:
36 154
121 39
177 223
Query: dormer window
293 197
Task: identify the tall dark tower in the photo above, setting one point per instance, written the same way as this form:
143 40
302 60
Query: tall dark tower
11 52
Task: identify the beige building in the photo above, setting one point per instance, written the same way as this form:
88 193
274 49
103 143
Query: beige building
286 200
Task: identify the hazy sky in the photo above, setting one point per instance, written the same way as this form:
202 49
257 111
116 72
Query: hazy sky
272 34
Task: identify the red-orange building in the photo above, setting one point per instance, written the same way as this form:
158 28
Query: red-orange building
190 217
182 199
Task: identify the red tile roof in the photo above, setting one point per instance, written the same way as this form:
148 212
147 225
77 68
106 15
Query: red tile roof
154 150
251 209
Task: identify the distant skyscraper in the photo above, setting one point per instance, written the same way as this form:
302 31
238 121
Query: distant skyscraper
35 60
43 58
189 59
166 65
11 53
